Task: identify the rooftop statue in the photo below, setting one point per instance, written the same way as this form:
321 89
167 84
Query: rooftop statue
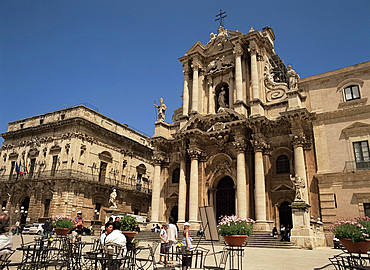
293 78
112 199
161 110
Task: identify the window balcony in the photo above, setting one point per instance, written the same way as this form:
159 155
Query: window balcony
132 184
351 166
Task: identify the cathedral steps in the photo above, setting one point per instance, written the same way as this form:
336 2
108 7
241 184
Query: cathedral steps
265 240
256 239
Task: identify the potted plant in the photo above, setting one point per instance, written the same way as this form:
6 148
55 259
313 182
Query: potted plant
62 224
128 225
353 234
235 230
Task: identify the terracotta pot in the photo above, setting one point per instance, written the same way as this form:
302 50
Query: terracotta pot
130 234
235 240
355 247
61 231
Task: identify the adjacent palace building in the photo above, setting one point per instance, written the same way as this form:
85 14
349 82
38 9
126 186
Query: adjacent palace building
251 138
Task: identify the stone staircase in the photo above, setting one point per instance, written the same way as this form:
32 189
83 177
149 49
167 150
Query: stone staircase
256 239
264 240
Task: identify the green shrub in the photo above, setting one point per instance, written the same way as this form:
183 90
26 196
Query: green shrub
128 223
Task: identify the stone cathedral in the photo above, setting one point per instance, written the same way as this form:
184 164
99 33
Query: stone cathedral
243 140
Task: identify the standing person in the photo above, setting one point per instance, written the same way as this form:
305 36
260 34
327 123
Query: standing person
282 232
172 235
164 244
108 230
187 239
6 239
48 229
18 227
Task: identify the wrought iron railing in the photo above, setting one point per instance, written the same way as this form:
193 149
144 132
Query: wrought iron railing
356 166
129 184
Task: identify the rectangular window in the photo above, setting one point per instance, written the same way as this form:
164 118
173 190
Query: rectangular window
54 165
47 207
32 167
367 209
12 170
102 172
362 157
351 92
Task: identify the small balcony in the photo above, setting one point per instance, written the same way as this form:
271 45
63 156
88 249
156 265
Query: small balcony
352 166
142 185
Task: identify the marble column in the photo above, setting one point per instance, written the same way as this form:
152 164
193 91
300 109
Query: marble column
182 192
299 164
156 189
241 191
193 194
185 94
238 51
260 190
254 71
195 90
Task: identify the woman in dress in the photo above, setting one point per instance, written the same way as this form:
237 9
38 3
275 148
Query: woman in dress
187 239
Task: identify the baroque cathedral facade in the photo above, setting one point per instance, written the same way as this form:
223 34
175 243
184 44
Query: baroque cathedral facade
254 140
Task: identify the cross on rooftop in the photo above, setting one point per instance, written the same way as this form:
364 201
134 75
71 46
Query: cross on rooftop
221 17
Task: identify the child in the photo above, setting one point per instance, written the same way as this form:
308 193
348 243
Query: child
164 244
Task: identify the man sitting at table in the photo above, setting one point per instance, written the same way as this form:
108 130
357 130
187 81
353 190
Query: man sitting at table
116 237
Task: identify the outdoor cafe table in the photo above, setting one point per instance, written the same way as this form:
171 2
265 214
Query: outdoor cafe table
108 261
188 259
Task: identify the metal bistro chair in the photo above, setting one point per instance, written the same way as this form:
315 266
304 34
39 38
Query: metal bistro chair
5 254
34 257
114 257
224 254
144 258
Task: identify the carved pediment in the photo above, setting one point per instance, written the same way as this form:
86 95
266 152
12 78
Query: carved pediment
356 129
221 64
33 152
283 187
173 195
198 47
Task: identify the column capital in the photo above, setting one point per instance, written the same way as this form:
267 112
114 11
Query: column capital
259 143
298 140
194 153
240 146
238 50
196 66
157 160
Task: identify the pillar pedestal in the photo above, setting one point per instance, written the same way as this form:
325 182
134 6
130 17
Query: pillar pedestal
302 234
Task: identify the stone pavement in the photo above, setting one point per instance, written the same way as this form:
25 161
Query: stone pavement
254 259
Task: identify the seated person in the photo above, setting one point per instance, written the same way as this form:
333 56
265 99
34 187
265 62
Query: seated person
80 224
108 229
116 236
200 230
274 232
6 239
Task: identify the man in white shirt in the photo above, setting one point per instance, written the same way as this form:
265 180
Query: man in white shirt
116 237
172 235
6 239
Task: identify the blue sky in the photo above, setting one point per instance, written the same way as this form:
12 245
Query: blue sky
121 56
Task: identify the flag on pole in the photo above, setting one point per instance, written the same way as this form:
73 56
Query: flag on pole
16 168
26 170
20 168
24 167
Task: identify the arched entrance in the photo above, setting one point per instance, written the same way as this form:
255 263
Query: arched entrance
174 213
225 197
285 213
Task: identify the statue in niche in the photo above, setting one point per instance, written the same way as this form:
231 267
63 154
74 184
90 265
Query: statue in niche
221 98
112 199
298 183
293 78
161 110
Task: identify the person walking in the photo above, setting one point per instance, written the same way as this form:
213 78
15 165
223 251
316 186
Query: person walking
164 244
48 229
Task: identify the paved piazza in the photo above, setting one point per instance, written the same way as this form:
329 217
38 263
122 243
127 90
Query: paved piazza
255 258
